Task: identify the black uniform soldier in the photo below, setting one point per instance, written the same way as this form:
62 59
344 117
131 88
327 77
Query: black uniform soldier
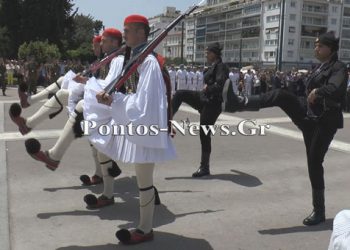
2 76
32 75
207 102
318 115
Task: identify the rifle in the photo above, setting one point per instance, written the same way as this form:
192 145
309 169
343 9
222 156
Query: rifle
136 60
95 66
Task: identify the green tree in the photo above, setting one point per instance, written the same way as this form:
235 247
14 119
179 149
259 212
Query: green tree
41 51
46 20
78 44
5 42
175 61
10 16
23 21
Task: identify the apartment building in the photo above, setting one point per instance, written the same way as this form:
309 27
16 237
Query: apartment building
171 46
344 52
251 34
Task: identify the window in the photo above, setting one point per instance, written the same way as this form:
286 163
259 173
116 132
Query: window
290 53
334 9
346 22
293 4
270 19
272 42
291 29
346 11
334 21
290 41
345 44
345 33
292 17
345 54
252 8
269 54
271 31
273 6
307 44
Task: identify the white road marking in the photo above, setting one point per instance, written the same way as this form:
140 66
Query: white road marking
38 134
289 133
4 210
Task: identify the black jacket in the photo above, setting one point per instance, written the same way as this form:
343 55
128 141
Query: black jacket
330 81
215 77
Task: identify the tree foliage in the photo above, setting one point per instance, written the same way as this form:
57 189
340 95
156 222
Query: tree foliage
41 51
79 42
45 20
54 21
175 61
10 16
5 44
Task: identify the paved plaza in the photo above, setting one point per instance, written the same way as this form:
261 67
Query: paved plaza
255 199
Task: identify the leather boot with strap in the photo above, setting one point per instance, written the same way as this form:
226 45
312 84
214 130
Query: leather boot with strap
203 170
318 213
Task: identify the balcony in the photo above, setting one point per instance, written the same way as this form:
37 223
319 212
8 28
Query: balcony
323 23
224 7
315 10
307 53
312 31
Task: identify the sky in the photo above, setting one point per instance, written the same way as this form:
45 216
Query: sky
113 12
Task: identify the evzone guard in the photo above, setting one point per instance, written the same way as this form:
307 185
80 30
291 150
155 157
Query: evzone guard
105 169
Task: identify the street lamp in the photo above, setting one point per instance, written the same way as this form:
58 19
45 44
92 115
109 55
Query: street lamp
182 41
240 50
281 30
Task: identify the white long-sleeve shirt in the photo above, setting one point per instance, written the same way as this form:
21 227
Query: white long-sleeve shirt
146 107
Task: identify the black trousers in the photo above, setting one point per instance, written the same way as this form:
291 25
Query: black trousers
3 86
209 113
317 136
347 108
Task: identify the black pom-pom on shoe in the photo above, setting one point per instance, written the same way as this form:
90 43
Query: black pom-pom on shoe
15 110
85 179
123 235
90 199
132 237
33 146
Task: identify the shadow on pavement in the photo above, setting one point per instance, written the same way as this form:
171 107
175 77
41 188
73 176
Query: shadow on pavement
126 207
162 240
327 225
95 189
239 178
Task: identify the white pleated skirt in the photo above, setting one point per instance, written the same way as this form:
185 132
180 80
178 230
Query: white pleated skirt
118 147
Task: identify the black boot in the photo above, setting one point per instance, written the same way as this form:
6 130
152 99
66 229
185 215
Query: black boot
203 170
252 103
233 103
318 213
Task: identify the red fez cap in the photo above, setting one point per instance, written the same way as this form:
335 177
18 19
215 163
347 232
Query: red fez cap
136 19
113 33
96 39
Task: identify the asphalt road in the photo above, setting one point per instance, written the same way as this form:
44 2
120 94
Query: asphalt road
255 199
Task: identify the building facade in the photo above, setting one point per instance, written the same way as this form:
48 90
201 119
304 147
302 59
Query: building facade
171 46
251 34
